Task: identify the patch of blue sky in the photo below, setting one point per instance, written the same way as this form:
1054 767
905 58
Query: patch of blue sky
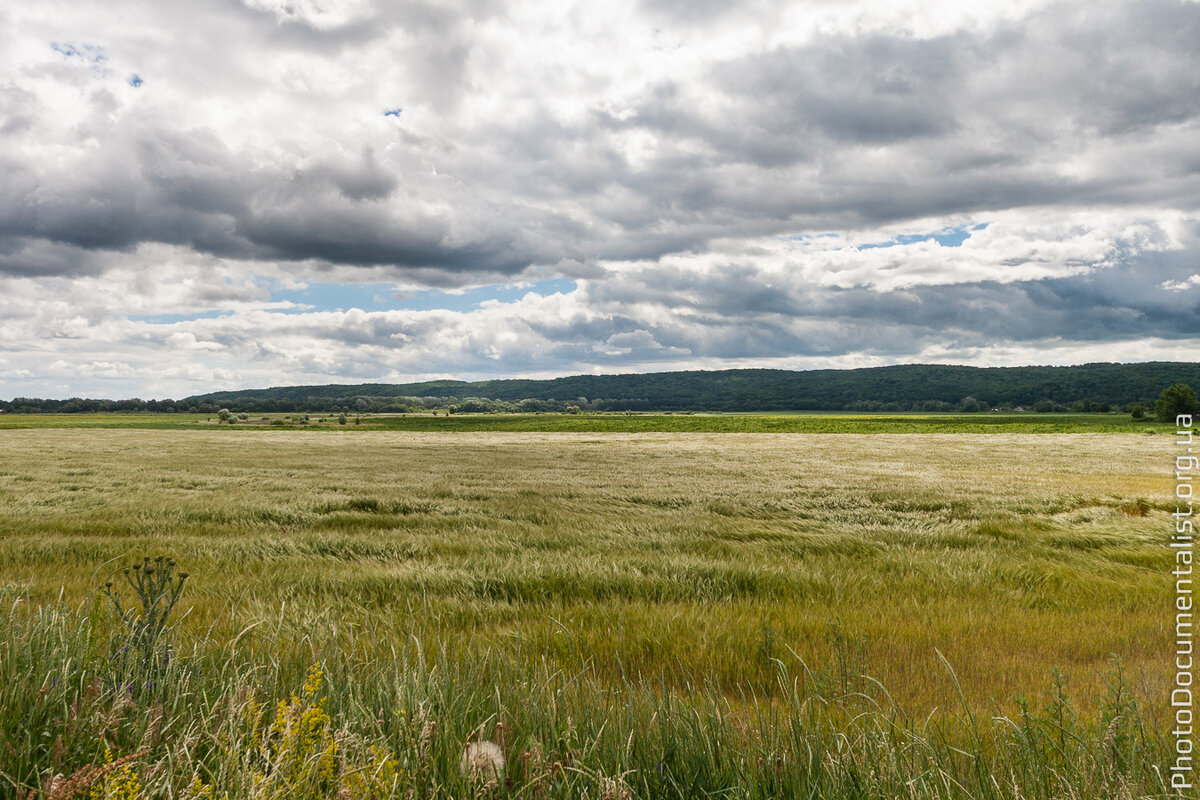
88 52
91 54
168 319
384 296
321 296
393 112
807 237
947 237
135 80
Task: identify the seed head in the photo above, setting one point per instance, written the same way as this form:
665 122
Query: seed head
482 761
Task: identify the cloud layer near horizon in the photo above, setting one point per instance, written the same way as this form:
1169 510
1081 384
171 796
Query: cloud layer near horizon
776 184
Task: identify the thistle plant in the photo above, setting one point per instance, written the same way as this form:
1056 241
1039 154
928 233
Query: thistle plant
158 587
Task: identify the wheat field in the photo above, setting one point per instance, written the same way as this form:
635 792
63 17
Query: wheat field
969 576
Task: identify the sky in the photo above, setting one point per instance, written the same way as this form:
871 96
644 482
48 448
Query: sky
221 195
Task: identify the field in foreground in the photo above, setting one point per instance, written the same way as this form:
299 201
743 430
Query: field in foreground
694 612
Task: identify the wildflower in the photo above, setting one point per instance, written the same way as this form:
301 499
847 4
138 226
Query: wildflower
614 788
482 761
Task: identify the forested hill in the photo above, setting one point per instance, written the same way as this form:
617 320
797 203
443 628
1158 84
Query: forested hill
905 387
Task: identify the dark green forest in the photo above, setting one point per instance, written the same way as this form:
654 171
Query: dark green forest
911 387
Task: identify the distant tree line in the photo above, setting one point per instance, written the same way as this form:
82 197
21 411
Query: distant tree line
916 387
79 405
348 404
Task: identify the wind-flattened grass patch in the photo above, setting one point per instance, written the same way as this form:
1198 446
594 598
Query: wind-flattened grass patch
1147 558
375 505
1135 508
1082 539
373 513
303 548
696 582
1022 530
941 505
660 502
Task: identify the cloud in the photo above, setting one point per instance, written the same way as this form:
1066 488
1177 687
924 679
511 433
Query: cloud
709 174
1181 286
757 304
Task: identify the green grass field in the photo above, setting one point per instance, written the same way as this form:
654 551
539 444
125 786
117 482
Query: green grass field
977 611
799 422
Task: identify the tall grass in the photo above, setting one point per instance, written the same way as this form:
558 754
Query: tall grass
620 613
353 715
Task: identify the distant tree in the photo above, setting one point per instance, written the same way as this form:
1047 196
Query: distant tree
473 405
223 415
341 419
971 406
1090 407
1176 399
1137 412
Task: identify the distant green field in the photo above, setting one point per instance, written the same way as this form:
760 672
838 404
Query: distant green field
773 422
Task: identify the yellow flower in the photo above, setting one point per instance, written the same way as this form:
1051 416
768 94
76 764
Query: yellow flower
123 784
312 683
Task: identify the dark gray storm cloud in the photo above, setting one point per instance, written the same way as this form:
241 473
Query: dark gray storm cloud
838 132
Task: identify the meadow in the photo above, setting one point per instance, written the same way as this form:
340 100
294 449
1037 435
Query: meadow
778 422
702 611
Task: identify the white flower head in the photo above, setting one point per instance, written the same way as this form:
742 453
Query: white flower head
482 761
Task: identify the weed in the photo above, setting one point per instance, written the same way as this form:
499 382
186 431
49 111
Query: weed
157 587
